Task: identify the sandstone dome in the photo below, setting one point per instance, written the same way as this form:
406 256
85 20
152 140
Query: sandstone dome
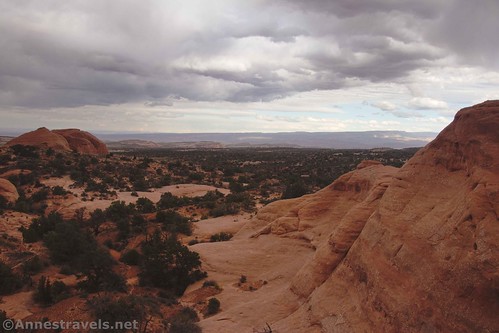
8 190
62 140
83 142
42 138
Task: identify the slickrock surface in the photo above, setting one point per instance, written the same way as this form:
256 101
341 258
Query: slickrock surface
62 140
8 190
414 249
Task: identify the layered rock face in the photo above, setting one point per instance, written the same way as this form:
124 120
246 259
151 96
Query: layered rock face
62 140
8 191
414 249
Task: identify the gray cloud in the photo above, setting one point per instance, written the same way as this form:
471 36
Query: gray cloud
68 54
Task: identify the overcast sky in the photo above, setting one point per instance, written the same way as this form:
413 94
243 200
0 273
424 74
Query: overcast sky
240 66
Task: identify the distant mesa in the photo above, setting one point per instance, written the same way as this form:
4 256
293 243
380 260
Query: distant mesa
62 140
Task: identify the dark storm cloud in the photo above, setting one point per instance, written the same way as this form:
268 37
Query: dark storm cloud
348 8
70 54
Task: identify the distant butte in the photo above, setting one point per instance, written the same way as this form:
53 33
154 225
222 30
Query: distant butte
62 140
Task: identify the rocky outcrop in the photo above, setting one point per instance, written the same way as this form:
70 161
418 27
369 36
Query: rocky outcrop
62 140
42 138
414 249
83 142
8 191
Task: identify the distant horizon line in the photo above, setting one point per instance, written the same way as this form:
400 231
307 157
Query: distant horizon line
18 131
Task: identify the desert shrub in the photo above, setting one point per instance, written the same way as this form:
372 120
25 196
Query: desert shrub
123 226
97 217
58 190
25 151
220 237
9 282
184 322
70 245
3 318
145 205
66 270
243 279
294 190
33 265
224 209
167 297
48 293
213 306
168 264
123 309
210 283
97 267
131 257
119 210
169 200
4 204
193 242
140 184
174 222
40 226
195 176
66 242
40 195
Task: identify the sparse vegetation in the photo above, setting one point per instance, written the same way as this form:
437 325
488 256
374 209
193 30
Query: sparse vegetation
184 322
168 264
48 293
122 309
220 237
248 177
9 282
213 306
131 257
211 283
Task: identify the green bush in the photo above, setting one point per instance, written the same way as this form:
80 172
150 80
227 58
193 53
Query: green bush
4 204
40 226
193 242
70 245
213 306
174 222
119 210
9 282
123 309
169 200
145 205
294 190
50 293
3 318
210 283
184 322
58 190
168 264
33 265
131 257
220 237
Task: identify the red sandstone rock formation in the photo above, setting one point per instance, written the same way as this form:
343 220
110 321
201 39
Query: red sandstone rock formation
62 140
83 142
8 191
414 249
42 138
